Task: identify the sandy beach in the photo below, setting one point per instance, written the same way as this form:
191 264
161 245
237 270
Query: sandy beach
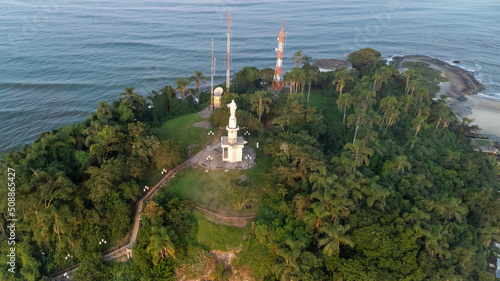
462 90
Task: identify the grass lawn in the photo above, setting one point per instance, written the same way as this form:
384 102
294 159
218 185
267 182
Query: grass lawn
212 190
207 190
319 99
325 102
216 236
182 131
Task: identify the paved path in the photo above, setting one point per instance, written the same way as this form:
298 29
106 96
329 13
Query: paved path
122 250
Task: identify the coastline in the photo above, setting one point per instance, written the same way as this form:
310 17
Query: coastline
463 92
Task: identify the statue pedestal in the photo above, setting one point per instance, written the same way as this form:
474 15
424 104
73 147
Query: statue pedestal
232 145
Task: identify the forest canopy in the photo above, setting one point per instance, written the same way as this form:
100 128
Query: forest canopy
371 178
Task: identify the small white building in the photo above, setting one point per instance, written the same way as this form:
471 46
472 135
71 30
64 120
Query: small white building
232 145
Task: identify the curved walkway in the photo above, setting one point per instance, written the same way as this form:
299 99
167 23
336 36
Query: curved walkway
125 249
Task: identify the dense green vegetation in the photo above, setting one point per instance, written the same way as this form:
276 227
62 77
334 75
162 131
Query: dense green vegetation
424 76
79 184
363 177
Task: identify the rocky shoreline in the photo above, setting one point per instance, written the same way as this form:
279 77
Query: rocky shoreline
462 82
462 90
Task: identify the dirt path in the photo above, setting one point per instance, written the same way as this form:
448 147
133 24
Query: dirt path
203 124
226 220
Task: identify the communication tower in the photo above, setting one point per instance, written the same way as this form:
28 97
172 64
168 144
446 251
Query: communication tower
229 24
212 70
278 71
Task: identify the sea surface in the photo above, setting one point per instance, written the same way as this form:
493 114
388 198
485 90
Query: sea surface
59 58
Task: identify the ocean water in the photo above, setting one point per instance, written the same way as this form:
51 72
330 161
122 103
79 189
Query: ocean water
59 58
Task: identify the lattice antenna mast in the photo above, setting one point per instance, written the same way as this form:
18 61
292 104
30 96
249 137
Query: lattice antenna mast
212 70
278 71
229 24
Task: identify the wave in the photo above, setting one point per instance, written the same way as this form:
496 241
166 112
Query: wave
474 69
158 79
112 45
494 96
44 86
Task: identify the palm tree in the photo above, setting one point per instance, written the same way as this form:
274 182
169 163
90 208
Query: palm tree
392 116
383 76
412 85
318 214
418 122
402 162
55 218
387 103
289 80
306 60
356 119
297 58
360 153
321 180
311 76
434 242
197 78
132 100
182 84
489 234
421 108
335 235
377 82
344 102
160 244
376 194
412 140
370 136
290 255
260 103
368 98
104 113
408 73
406 102
340 77
191 92
442 112
421 94
452 155
280 188
454 209
299 77
169 95
372 117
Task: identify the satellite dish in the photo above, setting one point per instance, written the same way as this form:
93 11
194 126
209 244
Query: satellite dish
218 91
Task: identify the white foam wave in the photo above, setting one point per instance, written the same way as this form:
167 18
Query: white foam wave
495 96
390 58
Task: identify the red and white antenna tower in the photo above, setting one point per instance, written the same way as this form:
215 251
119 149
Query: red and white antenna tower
278 71
212 70
229 24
